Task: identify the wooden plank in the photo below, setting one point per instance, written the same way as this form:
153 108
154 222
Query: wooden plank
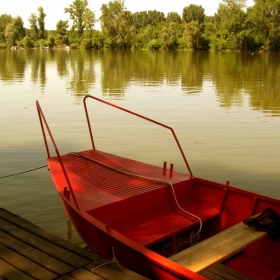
82 274
34 255
11 273
65 277
43 245
112 271
27 252
224 272
218 248
28 226
28 267
211 276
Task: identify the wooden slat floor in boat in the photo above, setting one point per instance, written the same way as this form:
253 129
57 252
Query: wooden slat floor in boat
222 272
28 252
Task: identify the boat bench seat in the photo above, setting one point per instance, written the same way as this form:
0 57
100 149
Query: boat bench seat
218 248
153 216
161 225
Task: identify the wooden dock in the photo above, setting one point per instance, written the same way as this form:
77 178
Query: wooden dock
28 252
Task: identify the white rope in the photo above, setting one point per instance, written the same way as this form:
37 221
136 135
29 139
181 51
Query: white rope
114 260
149 179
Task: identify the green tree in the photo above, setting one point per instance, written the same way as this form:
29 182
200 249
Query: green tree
155 17
170 34
61 37
10 35
41 23
240 31
226 24
265 16
173 17
27 42
193 18
117 24
193 13
81 15
140 19
143 36
191 36
97 39
61 27
89 20
4 21
34 31
14 31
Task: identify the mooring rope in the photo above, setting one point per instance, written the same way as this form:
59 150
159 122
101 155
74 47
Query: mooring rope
114 260
15 174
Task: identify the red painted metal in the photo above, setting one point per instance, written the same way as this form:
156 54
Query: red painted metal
132 207
164 167
139 116
44 124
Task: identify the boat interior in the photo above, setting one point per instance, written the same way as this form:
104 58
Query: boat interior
162 216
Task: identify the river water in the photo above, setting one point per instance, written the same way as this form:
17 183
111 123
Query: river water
224 108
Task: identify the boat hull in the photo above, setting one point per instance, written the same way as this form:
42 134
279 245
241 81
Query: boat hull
122 208
127 253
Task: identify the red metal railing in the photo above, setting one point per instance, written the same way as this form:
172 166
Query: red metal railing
137 115
44 125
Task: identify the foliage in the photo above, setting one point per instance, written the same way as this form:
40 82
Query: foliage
26 42
4 21
193 13
82 17
154 44
14 32
170 33
233 27
115 23
34 31
97 39
61 37
265 16
41 23
140 20
173 17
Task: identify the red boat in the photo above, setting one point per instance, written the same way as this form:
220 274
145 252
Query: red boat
161 223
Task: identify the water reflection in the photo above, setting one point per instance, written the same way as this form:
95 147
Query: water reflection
12 66
257 76
235 77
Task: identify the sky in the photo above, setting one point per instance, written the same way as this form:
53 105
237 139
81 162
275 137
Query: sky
54 10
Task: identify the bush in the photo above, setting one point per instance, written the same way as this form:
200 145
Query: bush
154 45
97 40
27 42
86 43
75 46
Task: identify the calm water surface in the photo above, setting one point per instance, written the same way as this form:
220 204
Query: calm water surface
224 107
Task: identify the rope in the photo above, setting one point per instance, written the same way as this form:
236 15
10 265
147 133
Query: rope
152 180
11 175
114 260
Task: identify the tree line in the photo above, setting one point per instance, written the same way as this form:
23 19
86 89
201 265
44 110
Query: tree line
234 27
